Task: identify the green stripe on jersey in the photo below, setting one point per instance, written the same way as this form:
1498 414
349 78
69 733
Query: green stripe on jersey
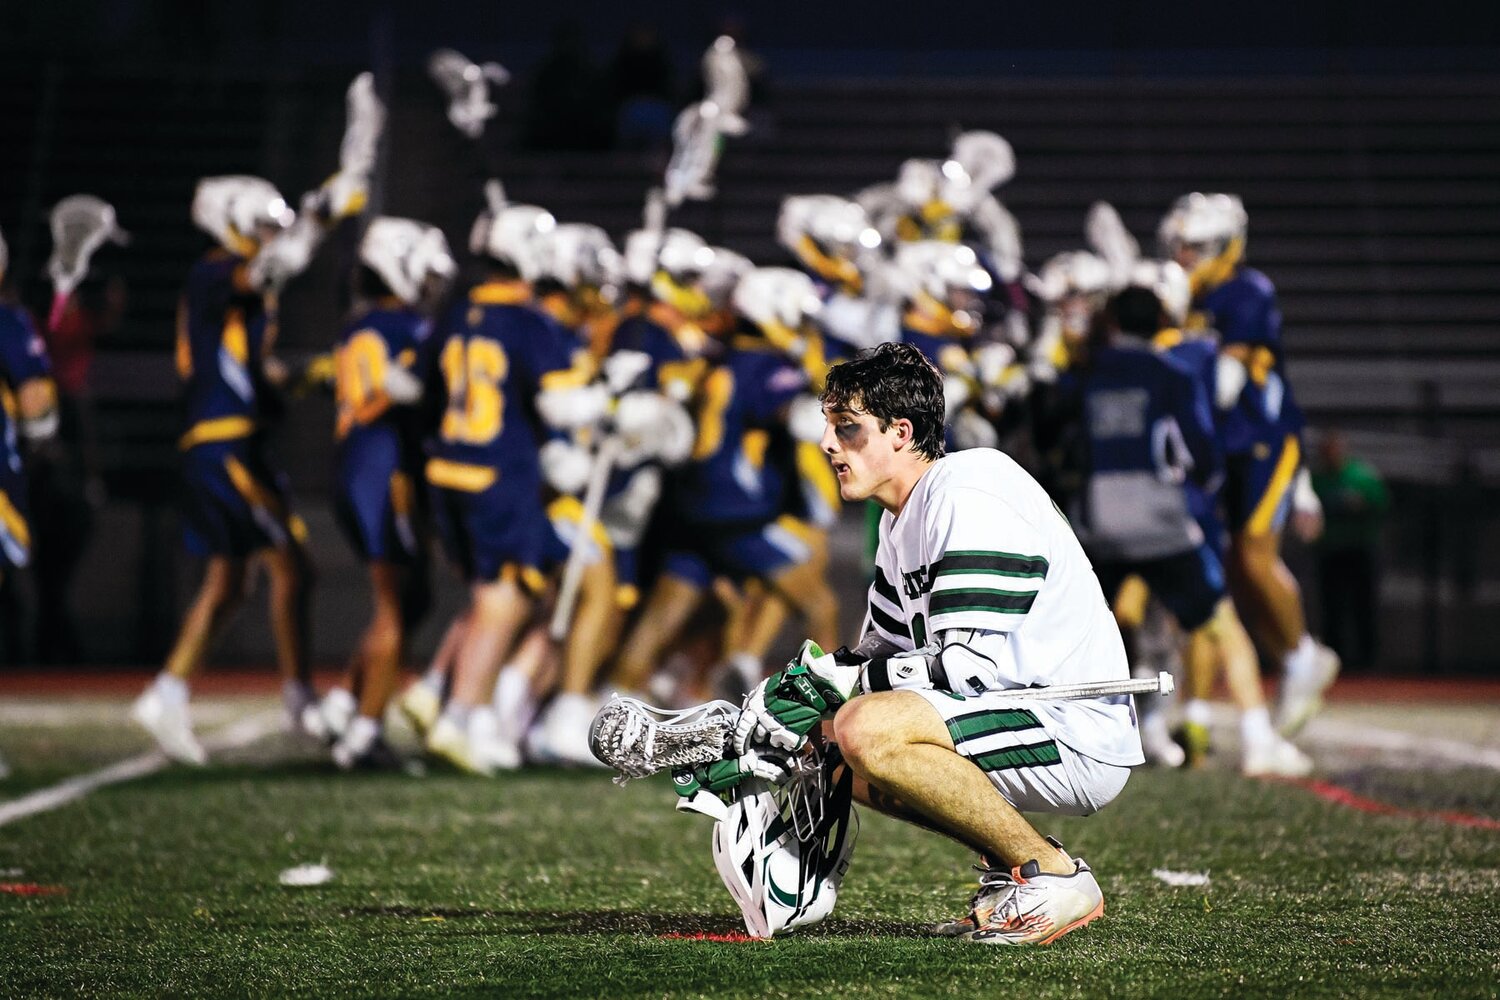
1043 754
957 561
1005 602
977 725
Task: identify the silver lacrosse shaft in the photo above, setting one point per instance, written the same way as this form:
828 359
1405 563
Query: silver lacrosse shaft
593 502
1162 683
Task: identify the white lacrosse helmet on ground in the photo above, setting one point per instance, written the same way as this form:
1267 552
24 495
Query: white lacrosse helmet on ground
783 878
1170 283
511 236
1207 221
980 162
405 253
233 208
779 301
828 234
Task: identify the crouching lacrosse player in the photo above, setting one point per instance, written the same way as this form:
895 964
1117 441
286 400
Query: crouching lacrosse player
981 592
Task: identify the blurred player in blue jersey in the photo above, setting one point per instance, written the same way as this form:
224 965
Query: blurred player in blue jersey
236 505
669 331
505 370
726 505
403 264
1228 647
1261 429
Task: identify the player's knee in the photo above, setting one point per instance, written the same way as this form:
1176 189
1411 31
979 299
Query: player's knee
863 736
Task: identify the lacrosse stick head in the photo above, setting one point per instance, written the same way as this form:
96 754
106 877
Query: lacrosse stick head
80 224
1110 239
365 117
638 740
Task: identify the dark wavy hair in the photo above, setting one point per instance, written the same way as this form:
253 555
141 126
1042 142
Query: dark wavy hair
892 382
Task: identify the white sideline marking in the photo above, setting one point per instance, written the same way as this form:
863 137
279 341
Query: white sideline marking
230 737
1339 732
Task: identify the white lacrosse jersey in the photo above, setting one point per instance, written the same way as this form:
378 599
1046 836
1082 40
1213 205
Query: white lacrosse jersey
980 545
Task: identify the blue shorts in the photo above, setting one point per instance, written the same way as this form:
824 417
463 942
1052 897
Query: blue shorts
234 503
376 503
487 531
1258 486
15 525
759 553
563 516
1189 585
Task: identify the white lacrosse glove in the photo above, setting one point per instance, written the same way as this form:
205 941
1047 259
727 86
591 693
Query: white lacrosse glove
1230 376
565 466
622 368
567 409
785 707
344 194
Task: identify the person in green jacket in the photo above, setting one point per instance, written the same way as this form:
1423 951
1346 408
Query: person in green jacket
1355 502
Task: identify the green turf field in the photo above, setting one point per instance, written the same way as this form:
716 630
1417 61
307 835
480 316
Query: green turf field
546 883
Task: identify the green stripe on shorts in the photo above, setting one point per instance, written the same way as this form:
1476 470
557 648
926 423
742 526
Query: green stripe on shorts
980 724
1040 754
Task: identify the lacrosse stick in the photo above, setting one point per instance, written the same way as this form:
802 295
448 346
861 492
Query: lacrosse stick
80 224
365 120
1110 239
593 502
637 739
467 85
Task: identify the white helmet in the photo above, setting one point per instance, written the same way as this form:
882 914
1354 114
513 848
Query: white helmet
828 234
1170 283
723 275
232 208
681 260
576 254
1073 272
980 162
919 183
641 249
510 236
1203 220
936 268
778 300
405 253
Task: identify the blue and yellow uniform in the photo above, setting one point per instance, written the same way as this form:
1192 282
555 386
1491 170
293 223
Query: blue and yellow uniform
235 503
23 358
728 502
1261 432
1199 356
494 355
379 449
678 350
1149 429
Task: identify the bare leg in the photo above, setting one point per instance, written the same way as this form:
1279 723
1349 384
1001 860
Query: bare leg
1264 581
593 629
499 610
223 586
1237 656
896 741
380 650
673 601
290 604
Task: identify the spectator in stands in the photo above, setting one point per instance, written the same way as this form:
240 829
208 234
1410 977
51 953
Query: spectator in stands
1355 501
645 90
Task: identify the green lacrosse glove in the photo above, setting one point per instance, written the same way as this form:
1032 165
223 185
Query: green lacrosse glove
786 706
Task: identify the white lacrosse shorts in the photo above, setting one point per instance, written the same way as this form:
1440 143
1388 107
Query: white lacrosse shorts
1033 768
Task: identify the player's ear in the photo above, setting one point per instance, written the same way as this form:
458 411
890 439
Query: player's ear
904 433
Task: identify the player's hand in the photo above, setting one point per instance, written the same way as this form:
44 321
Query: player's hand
723 775
789 704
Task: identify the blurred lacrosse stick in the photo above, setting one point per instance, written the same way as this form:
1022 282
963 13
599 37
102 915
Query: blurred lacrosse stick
81 224
467 85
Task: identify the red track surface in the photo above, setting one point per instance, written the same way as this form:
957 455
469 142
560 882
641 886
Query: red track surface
63 682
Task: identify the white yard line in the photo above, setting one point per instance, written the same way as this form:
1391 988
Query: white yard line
229 737
1346 733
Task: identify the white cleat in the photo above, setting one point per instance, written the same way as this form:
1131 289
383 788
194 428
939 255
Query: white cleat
1301 695
421 705
170 726
1028 906
1275 758
562 734
446 739
1157 743
490 744
328 719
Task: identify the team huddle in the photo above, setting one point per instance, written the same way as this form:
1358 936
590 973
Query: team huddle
605 442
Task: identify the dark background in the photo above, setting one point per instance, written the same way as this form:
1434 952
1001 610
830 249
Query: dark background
1364 138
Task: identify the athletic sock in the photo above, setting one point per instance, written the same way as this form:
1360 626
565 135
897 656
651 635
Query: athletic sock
171 689
1196 712
457 714
434 679
1255 726
514 706
296 695
1303 659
